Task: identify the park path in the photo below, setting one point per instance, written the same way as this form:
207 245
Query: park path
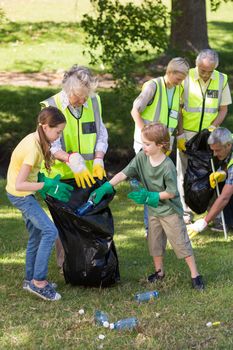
49 79
45 79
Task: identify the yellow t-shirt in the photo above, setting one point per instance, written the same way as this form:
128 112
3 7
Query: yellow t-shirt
29 152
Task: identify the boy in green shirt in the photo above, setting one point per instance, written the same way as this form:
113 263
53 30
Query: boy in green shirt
157 174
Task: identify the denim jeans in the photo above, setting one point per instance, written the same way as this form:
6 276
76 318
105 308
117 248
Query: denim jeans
42 235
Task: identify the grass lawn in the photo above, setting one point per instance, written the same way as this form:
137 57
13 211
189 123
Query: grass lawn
177 320
32 42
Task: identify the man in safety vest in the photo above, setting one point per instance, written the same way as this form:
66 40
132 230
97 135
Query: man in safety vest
80 152
205 100
159 100
221 143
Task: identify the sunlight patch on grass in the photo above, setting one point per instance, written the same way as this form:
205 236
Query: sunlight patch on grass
16 336
12 260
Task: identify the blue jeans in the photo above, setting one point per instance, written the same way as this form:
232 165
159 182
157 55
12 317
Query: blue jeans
42 235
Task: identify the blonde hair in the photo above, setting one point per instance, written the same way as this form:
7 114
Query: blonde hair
158 133
178 65
53 117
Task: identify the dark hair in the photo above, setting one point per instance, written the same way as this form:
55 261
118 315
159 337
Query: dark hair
53 117
158 133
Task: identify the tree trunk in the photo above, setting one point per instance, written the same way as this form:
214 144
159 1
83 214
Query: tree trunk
189 25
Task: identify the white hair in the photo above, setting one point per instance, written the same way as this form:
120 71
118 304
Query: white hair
212 56
79 78
220 135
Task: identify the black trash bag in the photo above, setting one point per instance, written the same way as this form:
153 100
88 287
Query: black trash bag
197 190
90 254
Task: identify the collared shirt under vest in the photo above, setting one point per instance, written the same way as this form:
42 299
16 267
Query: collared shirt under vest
201 108
79 134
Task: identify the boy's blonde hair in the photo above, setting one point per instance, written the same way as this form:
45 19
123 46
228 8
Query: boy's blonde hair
178 65
158 133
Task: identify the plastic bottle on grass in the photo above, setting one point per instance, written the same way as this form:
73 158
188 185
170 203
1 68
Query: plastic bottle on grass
135 185
85 208
126 323
146 296
101 318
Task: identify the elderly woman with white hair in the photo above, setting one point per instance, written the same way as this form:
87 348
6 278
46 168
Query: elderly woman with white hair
84 142
221 143
80 152
159 100
205 103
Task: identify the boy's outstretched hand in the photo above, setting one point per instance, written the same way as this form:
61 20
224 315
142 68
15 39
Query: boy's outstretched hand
145 197
100 192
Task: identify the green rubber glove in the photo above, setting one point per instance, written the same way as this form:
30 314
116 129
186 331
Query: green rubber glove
145 197
100 192
55 188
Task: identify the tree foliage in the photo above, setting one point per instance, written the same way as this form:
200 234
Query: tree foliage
122 31
216 3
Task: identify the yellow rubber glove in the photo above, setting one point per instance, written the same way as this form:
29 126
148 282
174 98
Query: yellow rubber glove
84 178
98 168
181 140
81 174
197 227
168 153
218 176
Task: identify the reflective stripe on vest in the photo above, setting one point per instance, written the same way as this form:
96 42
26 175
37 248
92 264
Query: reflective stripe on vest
230 163
194 117
79 135
158 110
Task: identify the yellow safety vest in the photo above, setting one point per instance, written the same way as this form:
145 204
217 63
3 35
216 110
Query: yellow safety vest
158 110
79 135
200 109
230 163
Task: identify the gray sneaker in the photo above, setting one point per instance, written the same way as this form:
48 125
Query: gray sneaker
27 282
46 293
218 226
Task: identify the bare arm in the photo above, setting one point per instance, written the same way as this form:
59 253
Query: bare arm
137 118
61 155
119 177
166 195
21 181
139 105
220 203
99 154
221 116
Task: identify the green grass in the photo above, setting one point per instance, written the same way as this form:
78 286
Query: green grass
177 320
42 36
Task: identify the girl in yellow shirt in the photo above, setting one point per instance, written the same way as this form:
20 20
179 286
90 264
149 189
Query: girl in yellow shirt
21 186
